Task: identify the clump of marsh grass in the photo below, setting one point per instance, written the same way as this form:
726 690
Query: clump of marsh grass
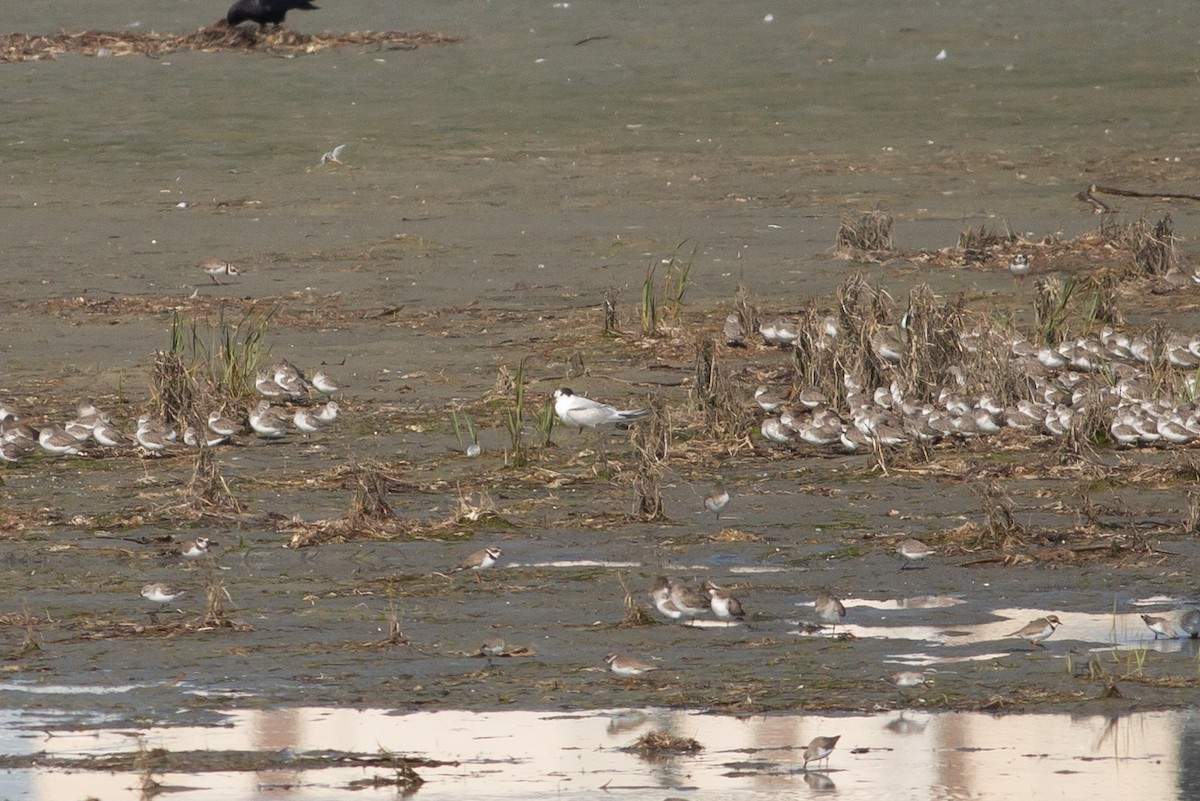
716 397
464 430
612 326
369 503
1051 301
222 357
635 615
662 303
207 489
1000 528
395 633
651 442
817 356
866 236
31 643
173 389
514 417
930 334
976 243
215 596
1153 246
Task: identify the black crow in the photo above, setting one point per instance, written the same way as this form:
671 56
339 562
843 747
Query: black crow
264 12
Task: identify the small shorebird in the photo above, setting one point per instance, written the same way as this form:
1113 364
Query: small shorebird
1037 630
626 666
215 268
716 500
689 599
328 413
324 384
660 594
152 437
222 426
829 609
723 604
480 560
194 549
493 646
912 551
820 748
767 400
108 435
1161 625
55 439
160 593
576 410
306 421
735 332
1020 266
907 678
266 422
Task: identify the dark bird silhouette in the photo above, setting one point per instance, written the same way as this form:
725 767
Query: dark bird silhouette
264 12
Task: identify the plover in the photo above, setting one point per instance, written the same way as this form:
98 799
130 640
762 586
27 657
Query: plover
194 549
480 560
626 666
691 600
215 268
1020 266
55 439
1037 630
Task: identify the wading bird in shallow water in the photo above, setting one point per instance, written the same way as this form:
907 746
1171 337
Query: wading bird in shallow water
820 748
265 12
1160 625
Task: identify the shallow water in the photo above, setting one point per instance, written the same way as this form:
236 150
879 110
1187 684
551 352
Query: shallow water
536 755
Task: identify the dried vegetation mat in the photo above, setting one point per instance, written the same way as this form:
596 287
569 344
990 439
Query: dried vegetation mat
218 37
661 745
371 517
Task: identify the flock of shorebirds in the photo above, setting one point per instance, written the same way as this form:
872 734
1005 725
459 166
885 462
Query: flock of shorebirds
1110 369
884 419
155 436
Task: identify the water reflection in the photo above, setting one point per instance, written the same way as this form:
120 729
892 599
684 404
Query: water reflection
518 755
1097 631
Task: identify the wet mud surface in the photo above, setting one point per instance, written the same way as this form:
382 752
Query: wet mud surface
316 605
478 229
